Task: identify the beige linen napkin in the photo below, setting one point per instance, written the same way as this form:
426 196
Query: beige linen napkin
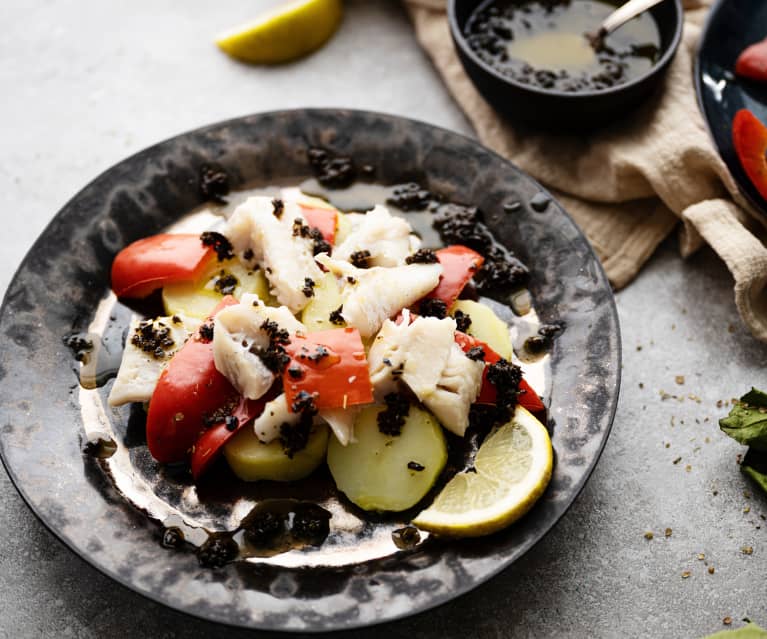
629 185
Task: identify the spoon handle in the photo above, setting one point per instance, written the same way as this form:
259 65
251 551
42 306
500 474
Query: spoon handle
624 13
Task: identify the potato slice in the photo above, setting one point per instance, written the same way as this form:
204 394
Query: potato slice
486 326
251 459
198 299
384 472
327 298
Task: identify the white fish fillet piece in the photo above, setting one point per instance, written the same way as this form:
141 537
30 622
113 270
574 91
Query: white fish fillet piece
386 355
237 329
429 344
341 421
456 390
379 293
139 371
388 238
276 413
287 259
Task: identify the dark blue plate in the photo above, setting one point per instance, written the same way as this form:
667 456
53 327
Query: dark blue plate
358 577
732 26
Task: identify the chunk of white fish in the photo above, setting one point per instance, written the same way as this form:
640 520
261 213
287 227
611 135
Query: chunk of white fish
415 353
375 294
278 246
276 413
139 370
456 390
387 238
238 336
341 422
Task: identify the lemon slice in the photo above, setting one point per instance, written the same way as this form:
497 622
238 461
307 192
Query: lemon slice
287 33
513 468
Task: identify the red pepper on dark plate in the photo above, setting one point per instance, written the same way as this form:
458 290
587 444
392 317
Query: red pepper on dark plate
330 366
152 262
749 136
323 219
189 390
527 397
459 263
208 446
752 62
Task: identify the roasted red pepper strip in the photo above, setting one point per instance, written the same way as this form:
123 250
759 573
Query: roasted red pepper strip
323 219
153 262
752 62
749 136
189 389
459 263
331 366
210 443
527 397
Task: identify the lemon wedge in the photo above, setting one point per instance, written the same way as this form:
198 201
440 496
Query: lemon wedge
284 34
513 467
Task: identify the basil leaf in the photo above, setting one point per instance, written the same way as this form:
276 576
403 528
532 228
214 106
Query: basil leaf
747 421
749 631
754 465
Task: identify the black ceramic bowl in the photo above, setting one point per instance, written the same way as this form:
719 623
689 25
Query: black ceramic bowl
552 109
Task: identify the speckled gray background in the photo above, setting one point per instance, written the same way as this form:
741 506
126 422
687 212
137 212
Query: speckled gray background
87 84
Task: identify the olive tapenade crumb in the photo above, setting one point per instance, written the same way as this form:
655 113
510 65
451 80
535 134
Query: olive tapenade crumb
206 331
220 416
308 289
506 377
214 183
294 437
409 197
422 256
226 283
231 423
321 245
476 353
351 280
335 172
392 418
501 271
300 229
432 307
80 346
153 338
219 243
217 551
262 528
276 334
336 317
278 206
311 524
274 356
320 353
414 465
295 372
176 319
462 321
360 259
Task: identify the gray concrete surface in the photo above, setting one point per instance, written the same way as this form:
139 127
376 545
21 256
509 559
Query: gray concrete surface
86 83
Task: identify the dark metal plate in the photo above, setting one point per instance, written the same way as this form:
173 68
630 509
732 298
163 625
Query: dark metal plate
44 414
732 26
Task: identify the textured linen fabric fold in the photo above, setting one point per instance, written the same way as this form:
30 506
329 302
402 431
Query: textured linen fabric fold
630 184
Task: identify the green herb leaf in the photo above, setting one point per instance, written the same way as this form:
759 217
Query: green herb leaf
754 465
747 421
749 631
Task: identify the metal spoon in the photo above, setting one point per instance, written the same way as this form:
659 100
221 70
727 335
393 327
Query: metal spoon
619 17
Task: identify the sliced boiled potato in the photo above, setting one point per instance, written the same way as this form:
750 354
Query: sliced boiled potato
384 472
327 298
200 298
486 326
343 228
251 459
